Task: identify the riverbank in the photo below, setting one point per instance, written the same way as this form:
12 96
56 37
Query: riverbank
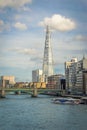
82 98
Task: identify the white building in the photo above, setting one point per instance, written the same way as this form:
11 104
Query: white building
37 76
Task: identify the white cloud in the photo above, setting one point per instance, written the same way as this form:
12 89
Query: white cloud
24 51
22 17
23 8
4 26
17 16
80 38
20 26
58 22
27 51
1 25
14 3
14 61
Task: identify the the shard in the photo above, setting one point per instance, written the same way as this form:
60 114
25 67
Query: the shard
48 56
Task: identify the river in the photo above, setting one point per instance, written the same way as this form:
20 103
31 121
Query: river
21 112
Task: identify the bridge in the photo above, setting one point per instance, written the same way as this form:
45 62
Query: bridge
32 91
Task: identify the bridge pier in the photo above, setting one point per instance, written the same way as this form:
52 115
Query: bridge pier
17 92
34 94
63 93
2 93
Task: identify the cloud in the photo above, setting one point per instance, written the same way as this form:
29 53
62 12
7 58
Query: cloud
28 51
4 26
14 3
23 18
58 22
25 9
1 22
14 61
37 59
24 51
80 38
17 17
20 26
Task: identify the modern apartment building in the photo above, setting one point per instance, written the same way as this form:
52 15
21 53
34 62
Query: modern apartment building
37 76
70 73
76 76
85 82
81 72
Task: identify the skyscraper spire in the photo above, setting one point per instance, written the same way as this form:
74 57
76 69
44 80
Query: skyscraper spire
48 57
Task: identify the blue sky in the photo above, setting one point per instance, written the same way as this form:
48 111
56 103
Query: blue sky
22 34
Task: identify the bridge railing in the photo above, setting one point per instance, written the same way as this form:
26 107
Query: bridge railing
31 90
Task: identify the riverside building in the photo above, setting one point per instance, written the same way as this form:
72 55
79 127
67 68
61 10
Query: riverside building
70 73
76 76
81 76
7 81
56 82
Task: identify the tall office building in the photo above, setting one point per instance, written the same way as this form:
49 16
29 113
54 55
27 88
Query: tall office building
37 76
48 57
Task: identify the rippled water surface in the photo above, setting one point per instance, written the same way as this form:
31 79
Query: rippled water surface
22 112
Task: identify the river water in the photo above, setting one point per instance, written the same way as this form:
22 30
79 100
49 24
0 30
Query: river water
21 112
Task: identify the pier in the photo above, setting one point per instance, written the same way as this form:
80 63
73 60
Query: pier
2 93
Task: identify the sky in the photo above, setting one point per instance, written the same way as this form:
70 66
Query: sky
22 34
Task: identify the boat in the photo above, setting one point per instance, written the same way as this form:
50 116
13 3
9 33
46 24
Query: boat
84 100
66 101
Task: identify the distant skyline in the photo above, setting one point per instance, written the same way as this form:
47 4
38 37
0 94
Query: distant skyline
22 34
